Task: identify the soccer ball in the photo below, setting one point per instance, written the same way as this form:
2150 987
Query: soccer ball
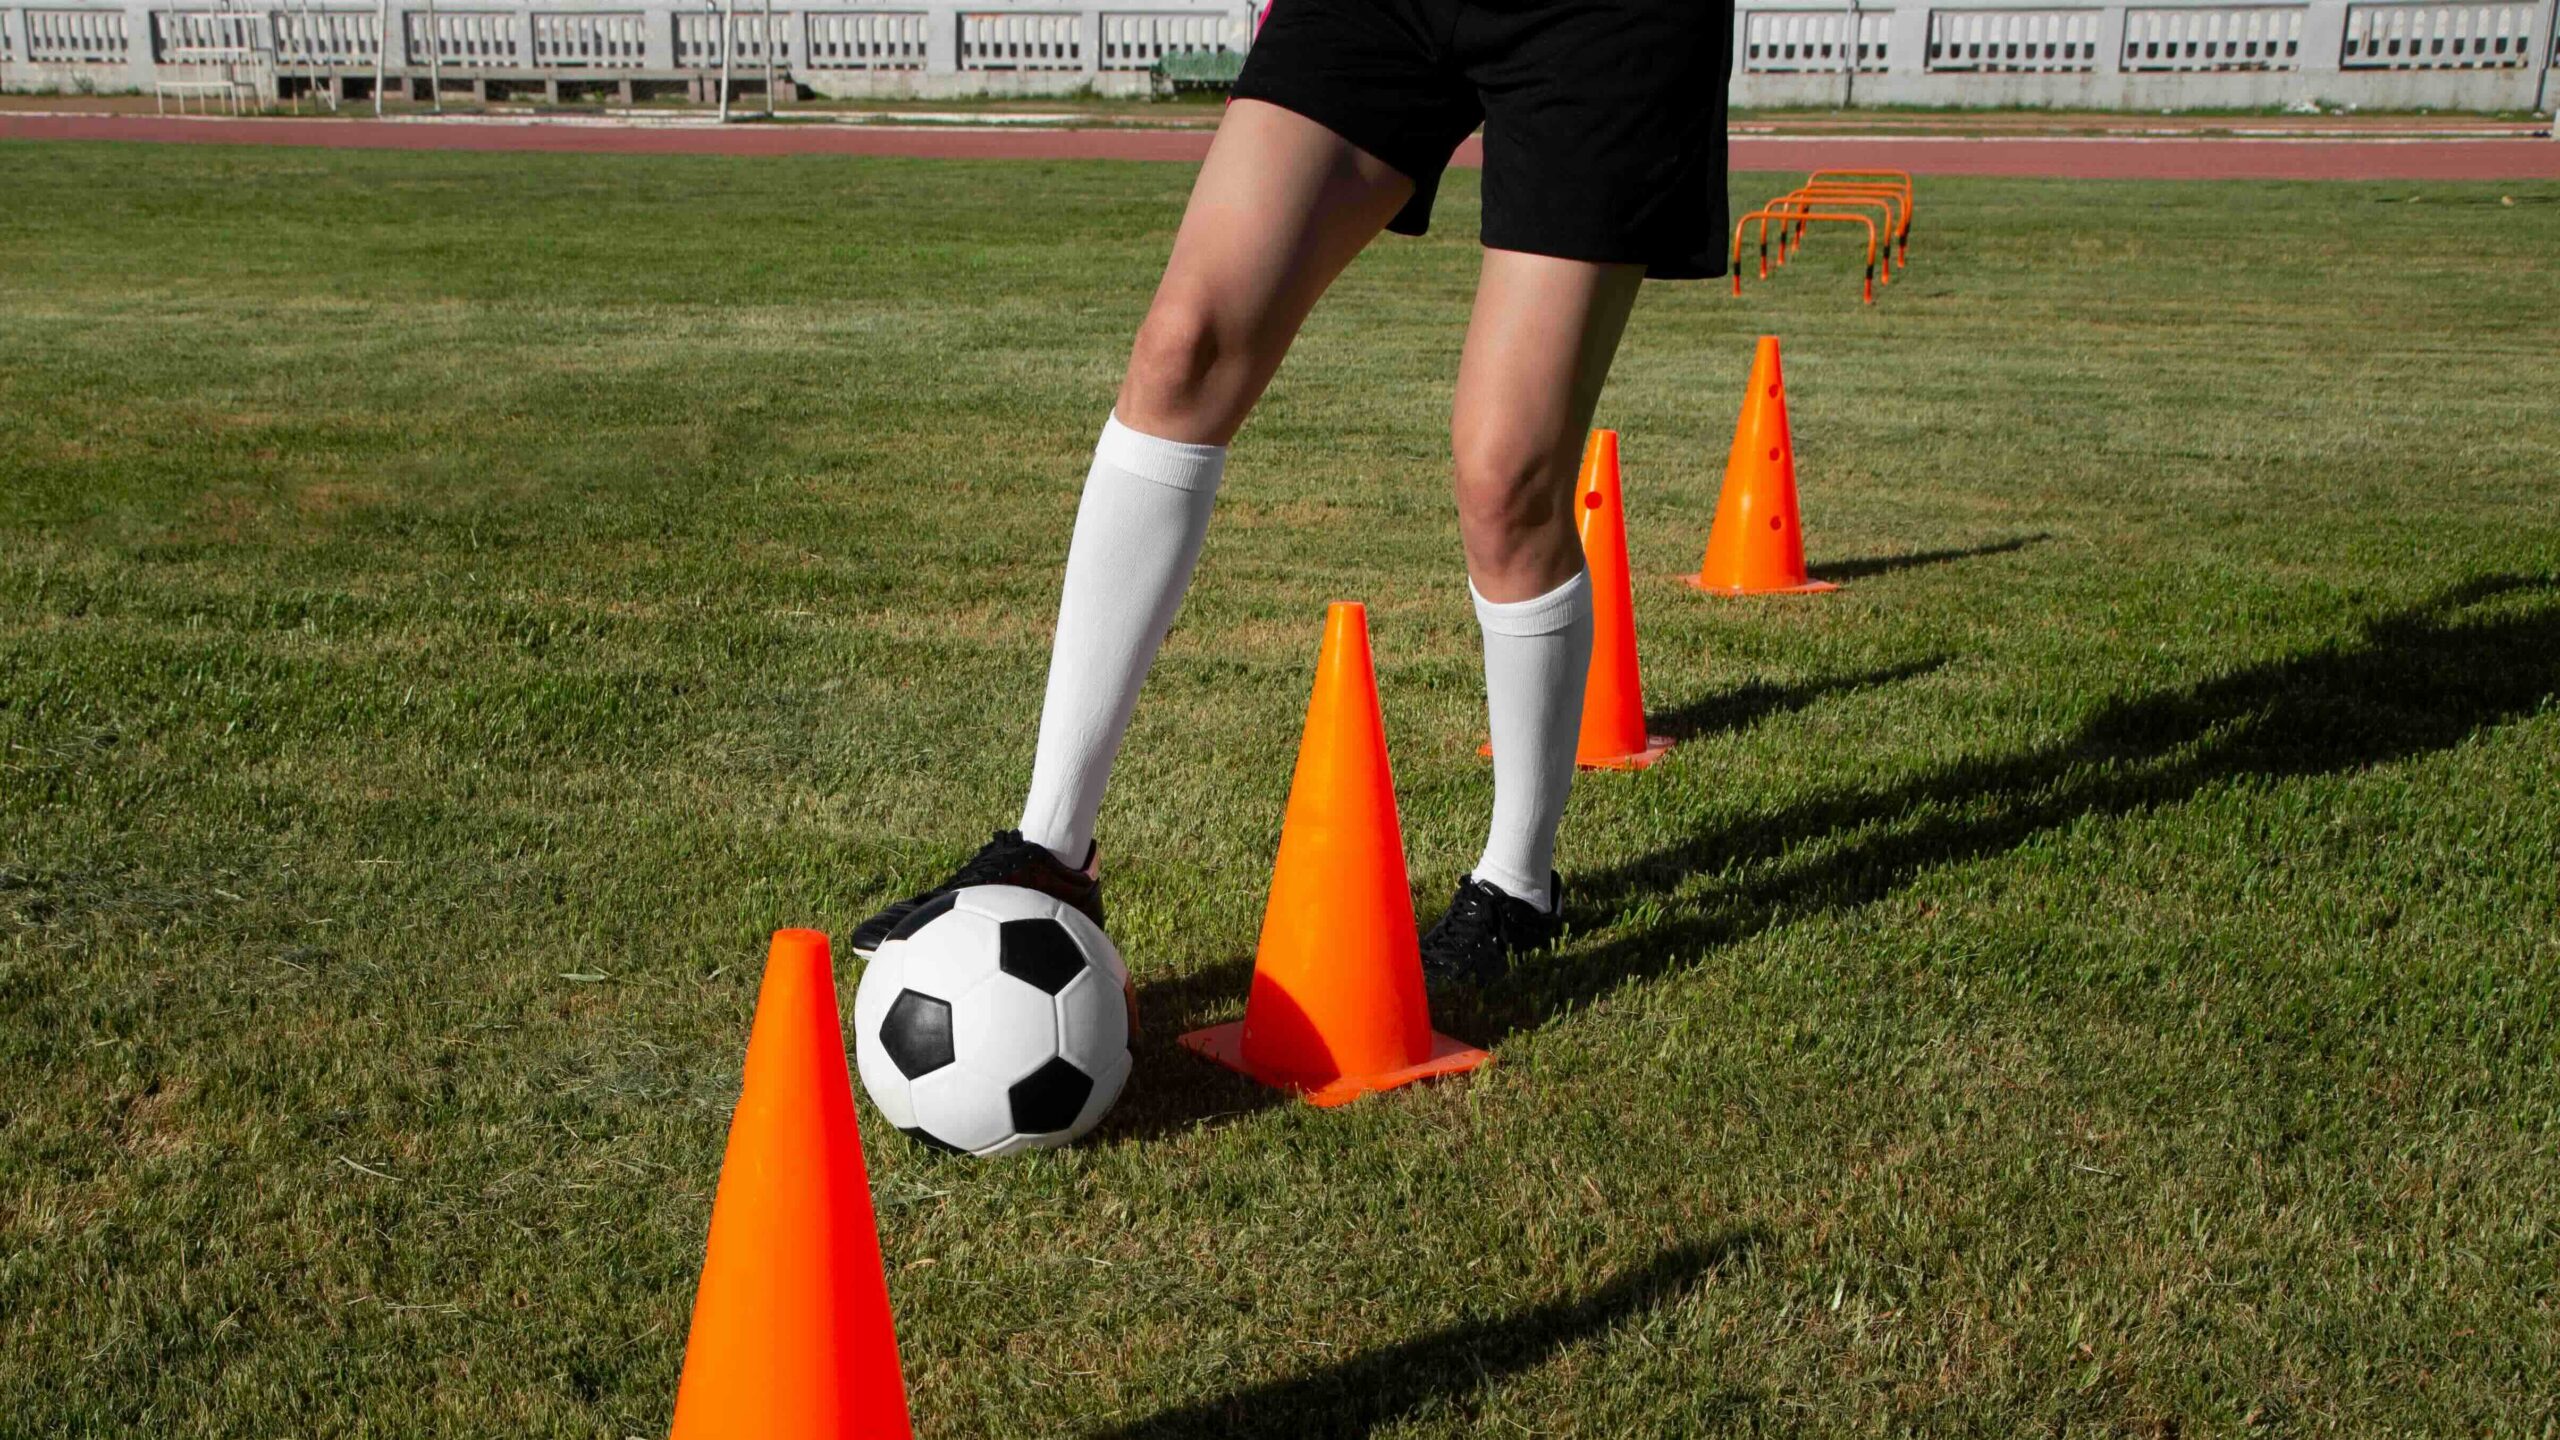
994 1019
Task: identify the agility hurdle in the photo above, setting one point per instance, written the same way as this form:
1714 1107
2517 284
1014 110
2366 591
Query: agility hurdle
1897 203
1798 206
1882 201
1791 236
1783 217
1897 179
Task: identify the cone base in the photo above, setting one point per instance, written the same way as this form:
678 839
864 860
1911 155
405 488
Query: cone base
1655 747
1225 1044
1810 587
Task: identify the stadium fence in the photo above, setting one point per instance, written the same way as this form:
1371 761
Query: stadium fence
2162 54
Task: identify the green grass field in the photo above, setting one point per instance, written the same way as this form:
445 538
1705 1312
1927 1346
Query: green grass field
2095 974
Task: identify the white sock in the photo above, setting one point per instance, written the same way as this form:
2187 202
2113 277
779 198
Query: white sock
1537 655
1138 531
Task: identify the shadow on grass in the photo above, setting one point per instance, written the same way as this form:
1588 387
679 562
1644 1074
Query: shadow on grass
1172 1089
1841 571
1744 706
1366 1391
2413 682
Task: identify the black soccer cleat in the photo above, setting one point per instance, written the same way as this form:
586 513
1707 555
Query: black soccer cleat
1485 929
1008 859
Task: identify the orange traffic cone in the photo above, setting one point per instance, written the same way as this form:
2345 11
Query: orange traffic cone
1337 1008
1757 545
1613 729
792 1338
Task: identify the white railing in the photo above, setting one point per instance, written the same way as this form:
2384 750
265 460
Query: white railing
325 38
199 37
2244 37
698 39
2017 41
209 55
76 37
590 40
467 39
1779 42
1019 40
2438 37
1133 40
868 39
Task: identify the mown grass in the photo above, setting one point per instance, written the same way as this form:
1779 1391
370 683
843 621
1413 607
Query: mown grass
2093 974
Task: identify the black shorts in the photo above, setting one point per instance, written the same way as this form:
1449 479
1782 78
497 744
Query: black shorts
1603 119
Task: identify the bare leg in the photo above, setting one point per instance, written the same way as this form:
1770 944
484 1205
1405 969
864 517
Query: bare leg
1538 351
1281 206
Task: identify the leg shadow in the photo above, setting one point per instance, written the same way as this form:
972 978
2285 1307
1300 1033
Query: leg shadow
1370 1390
1744 706
2410 683
1860 569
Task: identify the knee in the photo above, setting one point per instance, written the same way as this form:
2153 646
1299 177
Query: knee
1506 487
1176 359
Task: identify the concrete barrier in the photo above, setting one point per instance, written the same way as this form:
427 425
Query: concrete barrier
2159 54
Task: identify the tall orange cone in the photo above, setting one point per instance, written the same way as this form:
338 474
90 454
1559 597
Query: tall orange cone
1614 736
1757 545
792 1338
1613 729
1337 1007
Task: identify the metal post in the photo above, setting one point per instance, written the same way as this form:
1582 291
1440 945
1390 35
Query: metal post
309 54
1849 62
320 32
728 18
2542 63
435 58
769 111
381 50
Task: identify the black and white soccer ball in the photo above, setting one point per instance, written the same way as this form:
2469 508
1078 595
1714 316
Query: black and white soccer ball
994 1019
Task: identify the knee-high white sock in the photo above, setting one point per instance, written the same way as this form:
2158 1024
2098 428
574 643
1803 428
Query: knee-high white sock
1537 654
1138 531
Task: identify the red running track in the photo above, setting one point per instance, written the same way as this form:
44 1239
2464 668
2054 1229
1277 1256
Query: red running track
2094 158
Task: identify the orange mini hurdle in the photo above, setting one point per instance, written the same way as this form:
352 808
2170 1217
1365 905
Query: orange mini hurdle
1792 214
1901 178
1897 205
1897 179
1790 234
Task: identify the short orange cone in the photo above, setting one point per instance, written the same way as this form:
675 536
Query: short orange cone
1757 545
1337 1008
1614 736
792 1338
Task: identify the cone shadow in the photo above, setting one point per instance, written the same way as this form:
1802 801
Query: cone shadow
1842 571
1367 1391
2408 683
